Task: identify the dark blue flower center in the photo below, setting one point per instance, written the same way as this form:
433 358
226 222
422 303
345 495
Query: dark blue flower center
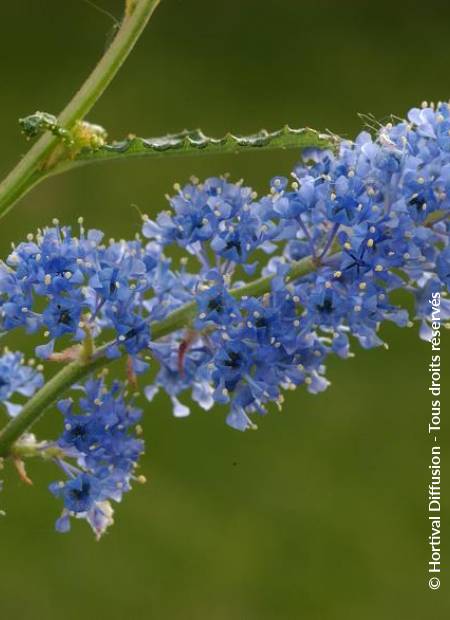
234 245
326 307
82 493
417 201
64 316
216 304
234 360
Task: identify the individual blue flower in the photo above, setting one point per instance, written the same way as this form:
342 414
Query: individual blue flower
79 494
17 378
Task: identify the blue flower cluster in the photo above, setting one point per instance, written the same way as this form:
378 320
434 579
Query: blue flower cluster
101 438
72 286
17 378
349 229
373 218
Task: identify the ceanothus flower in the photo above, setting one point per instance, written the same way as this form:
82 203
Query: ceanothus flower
223 325
365 215
215 218
71 286
100 436
17 378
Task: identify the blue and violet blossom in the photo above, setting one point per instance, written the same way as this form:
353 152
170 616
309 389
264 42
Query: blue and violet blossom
100 435
371 219
17 379
374 219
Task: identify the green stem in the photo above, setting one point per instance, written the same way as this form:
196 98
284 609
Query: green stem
28 451
176 320
73 372
31 169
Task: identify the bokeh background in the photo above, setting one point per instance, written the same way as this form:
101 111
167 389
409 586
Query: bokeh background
321 513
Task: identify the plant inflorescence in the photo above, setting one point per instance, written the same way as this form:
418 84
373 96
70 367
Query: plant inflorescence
267 288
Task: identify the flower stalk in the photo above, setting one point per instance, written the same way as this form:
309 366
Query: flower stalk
80 368
92 359
33 167
176 320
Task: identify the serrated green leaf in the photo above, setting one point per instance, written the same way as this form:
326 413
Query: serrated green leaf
195 142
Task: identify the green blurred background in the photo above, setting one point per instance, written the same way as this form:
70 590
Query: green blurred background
321 513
